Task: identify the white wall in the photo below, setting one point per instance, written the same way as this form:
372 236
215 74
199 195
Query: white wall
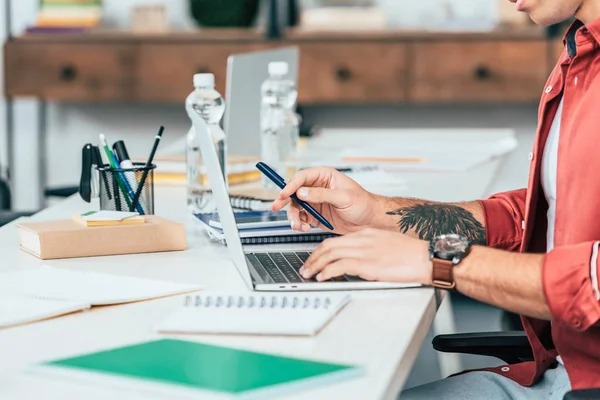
73 125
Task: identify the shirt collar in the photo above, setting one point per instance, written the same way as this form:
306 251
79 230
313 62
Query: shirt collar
570 37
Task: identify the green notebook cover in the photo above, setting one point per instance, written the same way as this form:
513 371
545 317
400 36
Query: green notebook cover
197 366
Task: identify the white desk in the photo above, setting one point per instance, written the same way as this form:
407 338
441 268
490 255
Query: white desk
380 331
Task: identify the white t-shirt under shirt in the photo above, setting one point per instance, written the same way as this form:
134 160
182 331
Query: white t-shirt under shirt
549 163
548 177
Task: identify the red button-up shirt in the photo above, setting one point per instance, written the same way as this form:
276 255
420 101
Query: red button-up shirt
517 220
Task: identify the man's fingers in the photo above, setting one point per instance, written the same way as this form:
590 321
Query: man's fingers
329 251
307 221
339 268
328 258
307 177
279 204
293 215
304 177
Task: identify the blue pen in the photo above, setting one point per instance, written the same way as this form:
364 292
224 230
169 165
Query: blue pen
278 180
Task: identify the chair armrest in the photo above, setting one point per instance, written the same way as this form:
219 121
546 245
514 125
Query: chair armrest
510 346
61 191
8 216
584 394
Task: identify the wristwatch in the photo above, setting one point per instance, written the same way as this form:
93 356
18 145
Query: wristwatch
446 252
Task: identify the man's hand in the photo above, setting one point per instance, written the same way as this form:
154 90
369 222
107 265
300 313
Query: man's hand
339 199
373 255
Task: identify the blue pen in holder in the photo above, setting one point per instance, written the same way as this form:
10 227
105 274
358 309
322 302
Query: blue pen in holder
114 190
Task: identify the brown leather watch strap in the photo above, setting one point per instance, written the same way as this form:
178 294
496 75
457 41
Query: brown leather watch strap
442 276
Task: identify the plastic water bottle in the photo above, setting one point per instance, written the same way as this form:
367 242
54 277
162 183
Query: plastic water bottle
279 122
209 104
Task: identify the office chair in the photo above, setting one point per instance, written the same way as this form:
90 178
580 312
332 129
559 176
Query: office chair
509 346
6 215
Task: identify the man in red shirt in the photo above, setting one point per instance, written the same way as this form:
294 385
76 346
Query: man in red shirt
532 251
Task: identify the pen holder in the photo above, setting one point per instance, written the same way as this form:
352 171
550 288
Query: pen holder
118 187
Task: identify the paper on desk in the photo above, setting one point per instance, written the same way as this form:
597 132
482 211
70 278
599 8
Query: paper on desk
83 286
444 149
380 182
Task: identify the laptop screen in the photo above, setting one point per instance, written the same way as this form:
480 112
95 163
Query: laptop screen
221 196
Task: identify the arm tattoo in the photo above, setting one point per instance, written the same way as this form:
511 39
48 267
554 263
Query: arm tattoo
431 220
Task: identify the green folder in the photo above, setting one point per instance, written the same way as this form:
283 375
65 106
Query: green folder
177 366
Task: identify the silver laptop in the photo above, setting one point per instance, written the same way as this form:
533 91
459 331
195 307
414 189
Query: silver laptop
261 268
245 75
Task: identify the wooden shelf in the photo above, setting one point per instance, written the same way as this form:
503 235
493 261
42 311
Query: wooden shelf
503 65
125 36
500 33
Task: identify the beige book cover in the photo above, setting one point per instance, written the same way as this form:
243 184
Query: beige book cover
70 239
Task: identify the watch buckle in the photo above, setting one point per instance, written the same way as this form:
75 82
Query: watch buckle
443 284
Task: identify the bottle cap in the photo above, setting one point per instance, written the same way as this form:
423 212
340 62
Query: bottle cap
204 80
278 68
121 150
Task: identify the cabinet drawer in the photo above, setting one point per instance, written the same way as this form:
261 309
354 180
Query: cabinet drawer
166 70
352 73
557 49
70 71
488 71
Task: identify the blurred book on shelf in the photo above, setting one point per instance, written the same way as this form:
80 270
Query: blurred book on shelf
343 18
341 15
150 19
68 16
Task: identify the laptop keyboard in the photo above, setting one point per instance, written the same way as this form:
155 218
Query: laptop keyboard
284 267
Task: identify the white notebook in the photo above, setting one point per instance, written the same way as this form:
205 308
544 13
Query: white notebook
93 288
17 309
255 314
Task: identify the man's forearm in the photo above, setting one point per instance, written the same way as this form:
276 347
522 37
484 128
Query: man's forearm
425 220
510 281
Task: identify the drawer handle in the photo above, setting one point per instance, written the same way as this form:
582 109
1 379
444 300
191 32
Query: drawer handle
343 74
482 73
68 73
202 70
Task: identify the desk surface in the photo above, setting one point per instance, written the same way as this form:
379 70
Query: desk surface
381 331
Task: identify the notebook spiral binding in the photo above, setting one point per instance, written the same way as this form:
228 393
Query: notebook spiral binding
229 301
242 202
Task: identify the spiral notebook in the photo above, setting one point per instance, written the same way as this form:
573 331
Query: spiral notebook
252 199
254 314
267 235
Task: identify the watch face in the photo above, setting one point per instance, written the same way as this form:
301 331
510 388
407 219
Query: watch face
449 246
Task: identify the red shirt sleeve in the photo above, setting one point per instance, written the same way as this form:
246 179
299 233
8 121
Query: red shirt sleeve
504 214
569 277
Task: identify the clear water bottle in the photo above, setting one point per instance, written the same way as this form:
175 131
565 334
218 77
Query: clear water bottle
279 122
209 104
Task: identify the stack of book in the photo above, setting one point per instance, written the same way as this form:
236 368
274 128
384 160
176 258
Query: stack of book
68 15
171 170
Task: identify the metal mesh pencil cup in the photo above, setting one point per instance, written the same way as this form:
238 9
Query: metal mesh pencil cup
118 186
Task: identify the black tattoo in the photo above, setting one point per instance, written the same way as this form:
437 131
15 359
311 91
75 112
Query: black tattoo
431 220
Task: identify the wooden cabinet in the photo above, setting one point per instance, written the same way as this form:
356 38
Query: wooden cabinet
474 71
366 72
557 48
70 71
335 68
165 71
